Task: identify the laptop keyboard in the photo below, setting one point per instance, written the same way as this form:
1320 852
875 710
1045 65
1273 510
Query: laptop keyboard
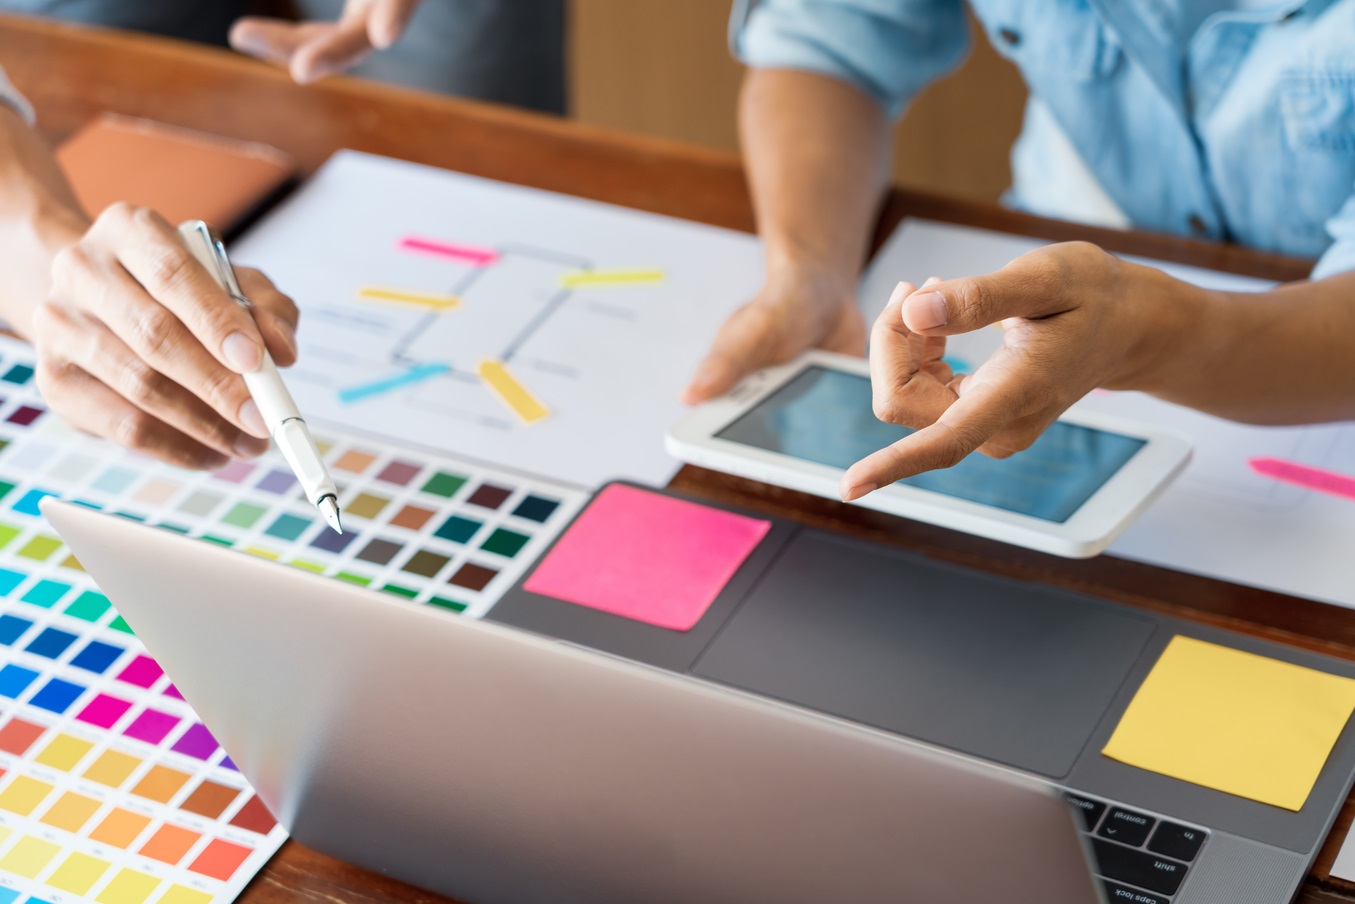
1140 858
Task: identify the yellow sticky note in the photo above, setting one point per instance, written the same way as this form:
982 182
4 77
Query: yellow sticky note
1235 722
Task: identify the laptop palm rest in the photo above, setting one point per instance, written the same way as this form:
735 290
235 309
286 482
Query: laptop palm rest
1013 673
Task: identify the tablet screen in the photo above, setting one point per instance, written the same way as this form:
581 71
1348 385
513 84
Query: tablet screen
825 416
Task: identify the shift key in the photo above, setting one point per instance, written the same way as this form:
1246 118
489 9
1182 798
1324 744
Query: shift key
1137 868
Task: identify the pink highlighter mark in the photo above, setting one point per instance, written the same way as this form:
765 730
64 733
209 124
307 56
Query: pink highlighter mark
469 254
103 711
648 557
1315 479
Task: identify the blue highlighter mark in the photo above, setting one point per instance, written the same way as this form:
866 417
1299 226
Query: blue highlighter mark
415 374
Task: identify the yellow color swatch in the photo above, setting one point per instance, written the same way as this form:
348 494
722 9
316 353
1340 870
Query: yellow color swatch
160 784
71 563
64 752
29 856
78 874
71 812
262 553
23 795
112 768
589 278
427 300
525 405
130 887
1235 722
40 548
181 895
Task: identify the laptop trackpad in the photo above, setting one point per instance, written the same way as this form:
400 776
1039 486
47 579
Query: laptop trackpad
1006 670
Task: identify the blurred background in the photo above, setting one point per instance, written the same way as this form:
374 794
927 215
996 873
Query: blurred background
663 68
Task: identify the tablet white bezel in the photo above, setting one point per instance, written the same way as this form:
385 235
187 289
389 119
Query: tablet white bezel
1085 533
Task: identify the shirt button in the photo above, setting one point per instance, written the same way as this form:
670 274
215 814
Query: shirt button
1010 36
1197 225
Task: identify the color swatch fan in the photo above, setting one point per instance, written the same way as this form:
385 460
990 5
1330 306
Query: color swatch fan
111 789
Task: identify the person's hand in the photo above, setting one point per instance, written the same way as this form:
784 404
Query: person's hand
1074 318
794 312
313 50
138 344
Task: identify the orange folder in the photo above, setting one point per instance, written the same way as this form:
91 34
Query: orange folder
182 174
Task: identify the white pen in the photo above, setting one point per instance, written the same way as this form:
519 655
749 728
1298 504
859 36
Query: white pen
265 385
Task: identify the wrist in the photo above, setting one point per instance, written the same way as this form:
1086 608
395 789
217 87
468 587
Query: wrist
1168 325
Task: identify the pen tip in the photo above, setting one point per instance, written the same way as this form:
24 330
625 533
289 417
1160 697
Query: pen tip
330 509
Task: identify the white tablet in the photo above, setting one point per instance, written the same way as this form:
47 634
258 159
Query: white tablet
804 423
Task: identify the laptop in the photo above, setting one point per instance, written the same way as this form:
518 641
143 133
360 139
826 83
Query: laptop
779 760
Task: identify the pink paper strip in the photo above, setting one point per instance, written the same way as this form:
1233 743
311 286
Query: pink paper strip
1315 479
648 557
469 254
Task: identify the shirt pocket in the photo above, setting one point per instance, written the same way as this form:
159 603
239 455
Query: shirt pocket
1052 37
1317 111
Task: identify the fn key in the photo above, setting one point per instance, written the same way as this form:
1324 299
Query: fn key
1176 841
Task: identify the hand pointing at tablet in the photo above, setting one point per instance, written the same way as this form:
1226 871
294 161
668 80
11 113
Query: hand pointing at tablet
1075 318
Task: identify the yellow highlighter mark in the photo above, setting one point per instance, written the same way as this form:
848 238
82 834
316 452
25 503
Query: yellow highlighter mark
431 301
588 278
1235 722
513 394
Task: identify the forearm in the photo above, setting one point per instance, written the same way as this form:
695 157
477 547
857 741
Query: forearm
38 217
816 151
1285 356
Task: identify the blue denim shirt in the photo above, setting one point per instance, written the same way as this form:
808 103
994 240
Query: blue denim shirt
1242 128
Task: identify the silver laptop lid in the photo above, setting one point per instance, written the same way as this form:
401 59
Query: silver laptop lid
500 766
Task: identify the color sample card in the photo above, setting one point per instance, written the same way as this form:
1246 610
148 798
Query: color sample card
1235 722
111 788
647 556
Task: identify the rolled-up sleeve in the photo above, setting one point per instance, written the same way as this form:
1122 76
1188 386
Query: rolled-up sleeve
10 96
1340 255
890 49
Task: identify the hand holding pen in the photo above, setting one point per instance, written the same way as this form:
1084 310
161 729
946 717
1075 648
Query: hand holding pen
139 344
280 414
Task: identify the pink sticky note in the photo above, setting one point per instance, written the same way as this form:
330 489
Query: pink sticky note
649 557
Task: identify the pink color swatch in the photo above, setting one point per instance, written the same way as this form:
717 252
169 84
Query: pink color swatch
649 557
197 742
172 692
142 671
1316 479
151 726
103 711
235 472
469 254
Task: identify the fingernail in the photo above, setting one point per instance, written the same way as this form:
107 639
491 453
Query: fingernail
249 446
253 420
246 41
899 292
242 353
861 489
931 281
926 311
288 335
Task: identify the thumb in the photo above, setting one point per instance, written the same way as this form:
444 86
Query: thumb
963 305
388 21
745 343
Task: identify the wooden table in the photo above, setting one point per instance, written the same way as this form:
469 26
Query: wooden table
71 74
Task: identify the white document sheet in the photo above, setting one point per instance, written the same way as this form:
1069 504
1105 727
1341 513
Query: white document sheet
1220 518
532 330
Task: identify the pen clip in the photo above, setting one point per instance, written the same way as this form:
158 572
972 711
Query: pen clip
214 257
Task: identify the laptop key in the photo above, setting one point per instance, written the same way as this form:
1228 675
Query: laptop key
1177 841
1138 868
1091 810
1123 894
1127 827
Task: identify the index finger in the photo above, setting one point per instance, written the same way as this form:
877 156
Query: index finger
969 422
155 256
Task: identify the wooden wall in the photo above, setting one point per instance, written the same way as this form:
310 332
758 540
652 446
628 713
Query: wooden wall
662 67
